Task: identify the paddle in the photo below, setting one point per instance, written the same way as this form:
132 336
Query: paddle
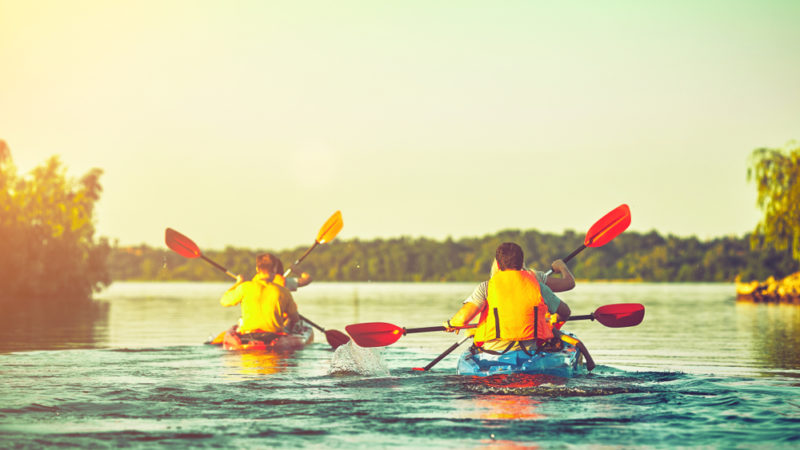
617 315
613 316
599 234
381 334
326 233
329 230
185 247
603 231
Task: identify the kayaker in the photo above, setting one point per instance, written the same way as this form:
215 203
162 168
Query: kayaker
267 304
513 304
556 284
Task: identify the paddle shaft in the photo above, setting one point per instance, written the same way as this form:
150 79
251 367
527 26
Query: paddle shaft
439 328
299 260
213 263
572 255
584 317
423 329
566 260
305 319
444 354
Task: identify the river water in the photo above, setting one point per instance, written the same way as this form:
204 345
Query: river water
130 369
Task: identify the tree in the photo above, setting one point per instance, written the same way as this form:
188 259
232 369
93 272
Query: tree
776 173
47 244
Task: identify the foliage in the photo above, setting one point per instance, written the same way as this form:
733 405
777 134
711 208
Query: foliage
776 173
47 245
631 256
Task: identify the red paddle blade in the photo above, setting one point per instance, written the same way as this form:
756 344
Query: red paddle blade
374 334
336 338
608 227
181 244
620 315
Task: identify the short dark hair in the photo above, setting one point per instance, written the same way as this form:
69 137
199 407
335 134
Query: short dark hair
267 262
509 256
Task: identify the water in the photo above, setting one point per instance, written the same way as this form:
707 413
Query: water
130 370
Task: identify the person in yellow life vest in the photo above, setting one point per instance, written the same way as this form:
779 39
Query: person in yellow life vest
267 304
514 313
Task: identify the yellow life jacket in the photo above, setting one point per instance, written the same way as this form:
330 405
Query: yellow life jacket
515 309
266 305
279 280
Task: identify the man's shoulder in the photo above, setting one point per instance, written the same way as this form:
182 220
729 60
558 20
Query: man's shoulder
262 284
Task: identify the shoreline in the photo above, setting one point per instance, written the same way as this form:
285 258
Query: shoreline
785 290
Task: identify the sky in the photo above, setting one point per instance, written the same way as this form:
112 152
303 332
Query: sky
248 123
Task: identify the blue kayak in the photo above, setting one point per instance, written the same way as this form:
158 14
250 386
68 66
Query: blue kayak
564 363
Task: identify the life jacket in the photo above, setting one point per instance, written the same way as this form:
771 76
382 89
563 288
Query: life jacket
279 280
515 309
267 307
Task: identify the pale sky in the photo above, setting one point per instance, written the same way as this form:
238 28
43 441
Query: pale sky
248 123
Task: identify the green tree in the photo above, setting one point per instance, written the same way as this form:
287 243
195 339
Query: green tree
47 244
776 173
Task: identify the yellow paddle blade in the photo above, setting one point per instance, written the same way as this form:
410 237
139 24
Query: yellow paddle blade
331 228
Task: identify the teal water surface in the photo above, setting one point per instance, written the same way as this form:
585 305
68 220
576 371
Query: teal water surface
130 370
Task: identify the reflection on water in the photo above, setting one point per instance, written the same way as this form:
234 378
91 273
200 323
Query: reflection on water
500 407
700 371
691 328
255 362
775 330
52 325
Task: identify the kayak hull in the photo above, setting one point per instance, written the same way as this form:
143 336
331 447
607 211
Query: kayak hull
565 363
268 341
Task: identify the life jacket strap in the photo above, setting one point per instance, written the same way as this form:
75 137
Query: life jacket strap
496 324
475 349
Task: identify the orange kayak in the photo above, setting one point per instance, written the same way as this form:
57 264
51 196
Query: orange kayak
232 340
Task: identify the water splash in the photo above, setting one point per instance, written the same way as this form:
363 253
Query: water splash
354 360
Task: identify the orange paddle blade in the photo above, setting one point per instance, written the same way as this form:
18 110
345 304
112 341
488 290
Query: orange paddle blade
608 227
620 315
374 334
336 338
181 244
331 228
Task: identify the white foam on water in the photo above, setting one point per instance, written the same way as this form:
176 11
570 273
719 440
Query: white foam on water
352 359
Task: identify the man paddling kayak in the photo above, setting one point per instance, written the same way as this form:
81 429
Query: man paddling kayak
267 305
513 304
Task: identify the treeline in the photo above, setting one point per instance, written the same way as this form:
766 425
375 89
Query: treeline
631 256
